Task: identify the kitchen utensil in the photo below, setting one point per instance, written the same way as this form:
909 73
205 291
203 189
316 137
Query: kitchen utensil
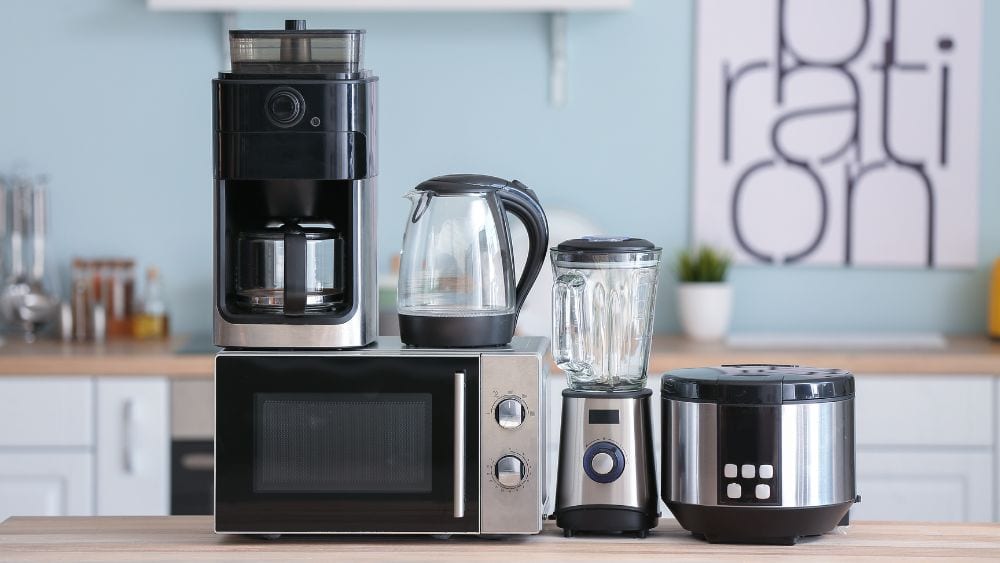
758 453
264 257
296 153
385 439
456 279
602 311
602 320
25 300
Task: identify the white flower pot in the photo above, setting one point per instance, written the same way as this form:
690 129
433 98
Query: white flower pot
705 309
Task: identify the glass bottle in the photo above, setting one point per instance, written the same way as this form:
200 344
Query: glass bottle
151 321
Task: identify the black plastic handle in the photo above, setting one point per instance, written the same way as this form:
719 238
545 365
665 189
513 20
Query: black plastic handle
522 202
295 270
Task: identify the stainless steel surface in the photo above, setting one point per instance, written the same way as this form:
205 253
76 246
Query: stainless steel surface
459 485
690 452
817 453
510 471
636 487
515 373
24 299
358 330
128 437
602 463
512 370
510 412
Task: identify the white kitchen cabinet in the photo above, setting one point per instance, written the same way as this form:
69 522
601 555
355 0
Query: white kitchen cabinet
923 484
133 446
46 484
50 411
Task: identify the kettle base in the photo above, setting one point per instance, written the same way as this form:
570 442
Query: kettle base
456 332
774 526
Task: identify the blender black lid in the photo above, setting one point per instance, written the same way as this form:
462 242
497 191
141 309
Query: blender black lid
757 384
606 245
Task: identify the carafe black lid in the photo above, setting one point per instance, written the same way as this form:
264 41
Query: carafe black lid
757 384
606 244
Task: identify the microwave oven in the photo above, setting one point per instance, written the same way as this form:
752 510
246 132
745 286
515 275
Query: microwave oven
384 439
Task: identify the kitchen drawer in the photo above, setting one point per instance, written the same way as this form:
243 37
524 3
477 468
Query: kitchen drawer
47 411
925 410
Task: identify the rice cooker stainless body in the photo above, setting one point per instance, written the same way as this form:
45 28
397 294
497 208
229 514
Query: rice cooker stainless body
758 453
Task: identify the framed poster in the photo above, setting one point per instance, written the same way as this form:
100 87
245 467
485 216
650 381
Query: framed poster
838 132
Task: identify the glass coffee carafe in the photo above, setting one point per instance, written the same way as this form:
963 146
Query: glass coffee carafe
602 311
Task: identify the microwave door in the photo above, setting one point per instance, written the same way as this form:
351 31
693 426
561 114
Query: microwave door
331 443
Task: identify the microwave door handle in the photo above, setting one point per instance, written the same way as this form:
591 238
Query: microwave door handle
459 492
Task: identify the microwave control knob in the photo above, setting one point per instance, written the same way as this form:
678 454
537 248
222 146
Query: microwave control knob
509 471
510 413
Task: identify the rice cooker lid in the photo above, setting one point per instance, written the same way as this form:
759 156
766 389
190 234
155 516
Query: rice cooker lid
757 384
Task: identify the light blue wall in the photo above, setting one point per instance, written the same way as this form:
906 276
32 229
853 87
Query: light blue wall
113 101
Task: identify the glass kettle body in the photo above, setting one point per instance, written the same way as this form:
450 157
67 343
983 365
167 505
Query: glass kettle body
456 278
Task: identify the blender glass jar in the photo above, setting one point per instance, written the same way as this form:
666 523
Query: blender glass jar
602 311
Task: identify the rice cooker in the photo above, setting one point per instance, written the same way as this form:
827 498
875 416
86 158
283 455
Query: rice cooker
758 453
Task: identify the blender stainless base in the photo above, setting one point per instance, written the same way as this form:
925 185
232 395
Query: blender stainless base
607 478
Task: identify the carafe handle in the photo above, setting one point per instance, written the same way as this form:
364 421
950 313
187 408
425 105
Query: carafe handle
521 201
295 270
568 321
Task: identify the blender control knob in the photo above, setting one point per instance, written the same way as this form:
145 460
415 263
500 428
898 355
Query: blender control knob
510 413
509 471
603 463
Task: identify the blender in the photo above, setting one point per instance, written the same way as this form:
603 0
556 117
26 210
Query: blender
602 323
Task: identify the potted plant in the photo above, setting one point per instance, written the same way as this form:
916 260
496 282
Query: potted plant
704 297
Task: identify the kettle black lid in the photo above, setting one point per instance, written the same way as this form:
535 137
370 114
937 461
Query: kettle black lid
757 384
464 183
606 244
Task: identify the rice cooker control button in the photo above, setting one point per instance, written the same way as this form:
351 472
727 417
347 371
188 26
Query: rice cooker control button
748 471
733 490
766 471
510 413
509 471
729 470
762 492
603 462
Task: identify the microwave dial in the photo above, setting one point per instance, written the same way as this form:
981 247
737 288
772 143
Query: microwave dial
510 412
509 471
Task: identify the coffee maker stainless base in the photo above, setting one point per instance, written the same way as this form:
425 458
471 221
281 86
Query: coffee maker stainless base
607 478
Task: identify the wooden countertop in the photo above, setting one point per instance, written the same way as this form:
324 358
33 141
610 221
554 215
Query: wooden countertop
190 538
121 357
963 355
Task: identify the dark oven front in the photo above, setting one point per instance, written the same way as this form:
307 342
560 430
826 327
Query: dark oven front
328 443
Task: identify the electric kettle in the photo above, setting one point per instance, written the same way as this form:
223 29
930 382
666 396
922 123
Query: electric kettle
456 273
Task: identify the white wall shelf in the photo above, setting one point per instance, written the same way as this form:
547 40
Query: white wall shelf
390 5
557 9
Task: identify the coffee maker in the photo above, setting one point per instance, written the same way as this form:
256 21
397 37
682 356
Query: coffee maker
295 159
602 322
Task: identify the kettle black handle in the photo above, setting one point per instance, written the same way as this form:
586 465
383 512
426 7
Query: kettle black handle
295 270
521 201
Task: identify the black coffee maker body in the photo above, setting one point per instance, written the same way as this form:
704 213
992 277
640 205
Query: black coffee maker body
295 160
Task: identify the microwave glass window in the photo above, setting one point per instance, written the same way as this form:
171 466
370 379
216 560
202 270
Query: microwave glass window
343 442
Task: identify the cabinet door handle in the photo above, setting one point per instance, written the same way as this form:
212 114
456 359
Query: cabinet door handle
128 437
459 453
